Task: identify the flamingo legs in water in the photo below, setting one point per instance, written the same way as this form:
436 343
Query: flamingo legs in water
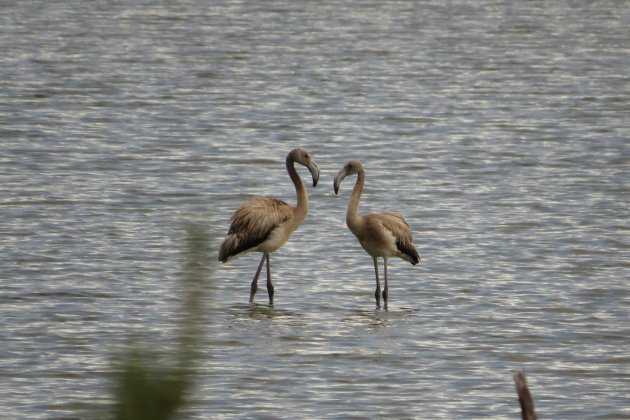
269 285
377 292
386 288
254 286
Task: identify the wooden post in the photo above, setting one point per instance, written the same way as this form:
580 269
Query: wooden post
524 397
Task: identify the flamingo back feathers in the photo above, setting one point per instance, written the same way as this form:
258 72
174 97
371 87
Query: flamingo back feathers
253 223
388 234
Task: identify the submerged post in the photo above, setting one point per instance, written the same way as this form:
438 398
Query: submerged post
524 397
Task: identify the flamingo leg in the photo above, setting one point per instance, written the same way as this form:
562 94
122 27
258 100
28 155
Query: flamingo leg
269 285
385 288
255 281
377 292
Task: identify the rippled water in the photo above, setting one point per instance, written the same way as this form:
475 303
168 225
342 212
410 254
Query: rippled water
498 129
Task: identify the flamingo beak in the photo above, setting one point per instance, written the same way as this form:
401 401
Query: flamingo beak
340 176
314 170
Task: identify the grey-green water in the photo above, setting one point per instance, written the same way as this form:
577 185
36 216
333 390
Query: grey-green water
499 129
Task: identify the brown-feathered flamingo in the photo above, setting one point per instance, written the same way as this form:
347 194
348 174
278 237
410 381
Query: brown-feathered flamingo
264 224
380 234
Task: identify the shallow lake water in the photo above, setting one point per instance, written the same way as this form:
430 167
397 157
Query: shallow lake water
499 130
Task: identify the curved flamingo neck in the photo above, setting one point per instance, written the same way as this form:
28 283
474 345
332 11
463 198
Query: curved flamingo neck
353 219
300 210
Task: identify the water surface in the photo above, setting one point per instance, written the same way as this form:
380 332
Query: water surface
498 129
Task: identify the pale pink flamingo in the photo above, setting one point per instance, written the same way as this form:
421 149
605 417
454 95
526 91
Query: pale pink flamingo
264 224
380 234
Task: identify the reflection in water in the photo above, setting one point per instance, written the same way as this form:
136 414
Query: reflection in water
377 318
258 311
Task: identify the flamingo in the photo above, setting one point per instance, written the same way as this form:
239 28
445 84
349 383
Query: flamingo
264 224
383 235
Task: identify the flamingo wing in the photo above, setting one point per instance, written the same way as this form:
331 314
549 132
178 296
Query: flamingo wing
252 223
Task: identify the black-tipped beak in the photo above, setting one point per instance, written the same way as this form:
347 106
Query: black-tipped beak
340 176
314 170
